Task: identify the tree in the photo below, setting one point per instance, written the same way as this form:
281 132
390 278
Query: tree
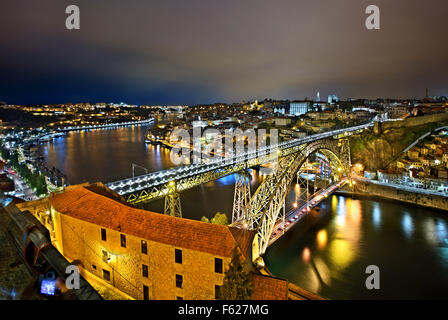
205 219
220 218
237 283
40 184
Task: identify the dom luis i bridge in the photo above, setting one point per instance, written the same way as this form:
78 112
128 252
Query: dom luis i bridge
263 211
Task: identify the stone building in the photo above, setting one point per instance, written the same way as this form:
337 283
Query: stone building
129 253
142 254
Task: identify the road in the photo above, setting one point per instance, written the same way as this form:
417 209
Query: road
404 187
22 190
163 177
295 215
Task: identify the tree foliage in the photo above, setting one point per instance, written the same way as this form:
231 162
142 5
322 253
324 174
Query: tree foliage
219 218
237 284
34 178
205 219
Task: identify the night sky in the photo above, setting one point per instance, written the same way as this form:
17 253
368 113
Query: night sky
206 51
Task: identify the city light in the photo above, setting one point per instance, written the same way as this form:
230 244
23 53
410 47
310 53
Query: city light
223 160
322 238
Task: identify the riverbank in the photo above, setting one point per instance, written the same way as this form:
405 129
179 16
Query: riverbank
376 191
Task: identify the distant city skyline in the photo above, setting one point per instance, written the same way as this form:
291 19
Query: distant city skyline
204 52
325 99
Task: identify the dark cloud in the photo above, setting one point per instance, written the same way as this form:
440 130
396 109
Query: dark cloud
191 51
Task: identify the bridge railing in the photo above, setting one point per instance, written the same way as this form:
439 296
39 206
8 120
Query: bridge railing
161 177
107 125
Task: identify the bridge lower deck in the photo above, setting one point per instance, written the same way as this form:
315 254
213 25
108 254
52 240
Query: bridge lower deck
295 215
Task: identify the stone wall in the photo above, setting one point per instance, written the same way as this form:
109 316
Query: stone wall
410 122
82 241
430 201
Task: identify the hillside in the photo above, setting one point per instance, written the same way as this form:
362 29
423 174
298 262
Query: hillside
376 151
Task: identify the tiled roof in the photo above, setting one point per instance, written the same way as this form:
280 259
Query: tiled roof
86 205
269 288
244 239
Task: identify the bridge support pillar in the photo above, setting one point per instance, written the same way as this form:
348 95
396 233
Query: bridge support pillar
346 157
242 196
172 202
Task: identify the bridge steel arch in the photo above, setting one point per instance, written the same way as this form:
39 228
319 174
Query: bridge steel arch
265 206
155 185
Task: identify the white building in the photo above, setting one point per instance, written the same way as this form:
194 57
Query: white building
332 98
297 108
199 123
279 110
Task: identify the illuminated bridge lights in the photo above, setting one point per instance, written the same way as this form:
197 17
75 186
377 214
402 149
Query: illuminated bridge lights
110 125
187 175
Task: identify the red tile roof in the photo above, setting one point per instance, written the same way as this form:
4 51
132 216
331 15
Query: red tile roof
86 205
269 288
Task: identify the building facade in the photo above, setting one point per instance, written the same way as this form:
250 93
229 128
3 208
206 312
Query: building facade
332 98
297 108
137 254
128 253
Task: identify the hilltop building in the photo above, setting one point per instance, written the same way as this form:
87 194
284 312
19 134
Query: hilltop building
332 98
297 108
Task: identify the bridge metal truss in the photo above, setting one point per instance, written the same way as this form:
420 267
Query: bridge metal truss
265 206
207 175
242 195
172 201
155 185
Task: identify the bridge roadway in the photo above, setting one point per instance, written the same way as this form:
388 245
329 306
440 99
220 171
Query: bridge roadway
295 215
220 166
107 125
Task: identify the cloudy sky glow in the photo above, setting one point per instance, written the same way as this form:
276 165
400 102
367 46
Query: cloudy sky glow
205 51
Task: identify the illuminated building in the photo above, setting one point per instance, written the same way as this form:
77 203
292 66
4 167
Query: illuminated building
129 253
332 98
297 108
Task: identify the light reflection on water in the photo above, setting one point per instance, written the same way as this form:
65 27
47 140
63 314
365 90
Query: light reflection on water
442 230
329 255
407 224
376 215
410 245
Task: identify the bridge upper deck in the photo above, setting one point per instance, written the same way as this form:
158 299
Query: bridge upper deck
158 178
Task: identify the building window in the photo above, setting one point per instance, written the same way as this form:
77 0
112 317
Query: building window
179 298
217 291
123 240
179 280
106 275
144 247
103 234
145 270
178 256
145 292
218 265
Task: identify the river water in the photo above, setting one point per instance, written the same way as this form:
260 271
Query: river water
327 254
